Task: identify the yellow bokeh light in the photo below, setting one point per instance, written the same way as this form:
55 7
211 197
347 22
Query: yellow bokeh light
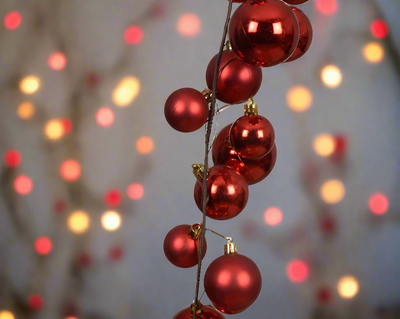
111 220
29 84
54 129
324 144
348 287
78 222
126 91
299 98
26 110
5 314
332 191
331 76
373 52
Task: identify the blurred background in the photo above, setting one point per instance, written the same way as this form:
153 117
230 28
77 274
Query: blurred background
93 177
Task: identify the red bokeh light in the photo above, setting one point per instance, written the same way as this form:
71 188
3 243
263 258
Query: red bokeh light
326 7
113 197
67 125
12 20
327 225
70 170
35 302
115 253
297 271
105 116
84 259
135 191
379 29
133 35
12 158
59 206
43 245
23 185
378 204
92 80
273 216
323 295
57 61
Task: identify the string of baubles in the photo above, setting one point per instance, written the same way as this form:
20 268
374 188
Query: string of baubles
262 33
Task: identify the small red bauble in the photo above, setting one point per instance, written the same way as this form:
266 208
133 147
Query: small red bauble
207 312
252 136
186 110
228 193
237 80
180 249
305 35
264 32
295 2
232 283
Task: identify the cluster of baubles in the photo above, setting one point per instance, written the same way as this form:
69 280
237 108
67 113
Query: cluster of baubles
262 33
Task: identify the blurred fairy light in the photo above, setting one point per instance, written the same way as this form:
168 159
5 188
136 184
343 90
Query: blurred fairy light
348 287
5 314
188 25
29 84
144 145
70 170
326 7
57 61
78 222
378 204
23 185
297 271
332 191
133 34
54 129
126 91
26 110
299 98
111 220
273 216
12 158
43 245
379 29
105 116
35 302
113 197
12 20
331 76
135 191
373 52
324 145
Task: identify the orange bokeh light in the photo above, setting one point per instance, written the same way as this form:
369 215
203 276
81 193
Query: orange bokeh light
12 158
23 185
12 20
70 170
188 25
273 216
144 145
57 61
133 34
135 191
105 116
326 7
378 204
297 271
43 245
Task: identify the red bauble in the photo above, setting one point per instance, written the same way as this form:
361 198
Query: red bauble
232 283
252 136
208 313
264 32
237 80
295 2
305 36
186 110
180 249
228 193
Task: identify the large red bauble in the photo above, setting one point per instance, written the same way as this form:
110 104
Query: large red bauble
186 110
208 313
228 193
295 2
180 249
232 283
305 36
237 80
263 32
252 136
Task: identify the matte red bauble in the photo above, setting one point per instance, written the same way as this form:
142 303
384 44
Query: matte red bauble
186 110
207 312
228 193
295 2
237 80
305 36
264 32
252 136
180 249
232 283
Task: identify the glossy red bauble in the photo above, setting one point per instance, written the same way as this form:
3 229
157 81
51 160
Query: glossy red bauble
237 80
252 136
232 283
186 110
228 193
208 312
180 249
295 2
305 35
264 32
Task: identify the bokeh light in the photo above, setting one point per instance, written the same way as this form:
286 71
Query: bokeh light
324 295
78 222
25 110
43 245
348 287
115 253
111 220
126 91
29 84
379 29
331 76
113 197
135 191
188 25
373 52
60 206
133 34
12 20
5 314
54 129
332 191
12 158
70 170
57 61
299 98
297 271
144 145
324 145
378 204
326 7
105 116
273 216
23 185
35 302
